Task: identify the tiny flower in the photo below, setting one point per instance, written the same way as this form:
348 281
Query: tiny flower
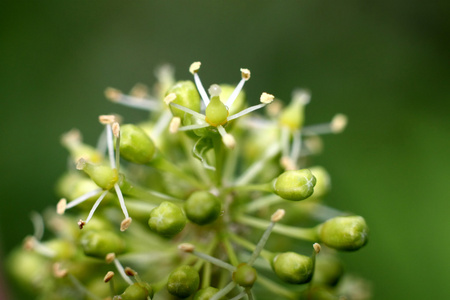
216 112
183 281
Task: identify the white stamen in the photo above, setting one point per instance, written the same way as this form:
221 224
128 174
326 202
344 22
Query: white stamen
224 291
278 215
189 111
110 257
38 225
170 98
284 141
266 98
58 271
227 138
174 124
287 163
193 127
235 93
161 124
246 111
122 272
139 91
116 129
110 141
83 198
214 90
71 138
61 206
96 204
338 123
121 200
296 146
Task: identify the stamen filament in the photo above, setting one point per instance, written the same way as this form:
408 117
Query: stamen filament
235 93
139 103
246 111
109 139
193 127
276 288
201 89
96 204
263 202
214 261
296 147
122 271
239 296
121 200
224 291
83 198
161 124
309 234
38 225
189 111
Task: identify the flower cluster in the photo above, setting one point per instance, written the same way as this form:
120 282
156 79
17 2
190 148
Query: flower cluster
204 200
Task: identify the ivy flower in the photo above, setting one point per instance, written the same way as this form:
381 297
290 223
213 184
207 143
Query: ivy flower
216 113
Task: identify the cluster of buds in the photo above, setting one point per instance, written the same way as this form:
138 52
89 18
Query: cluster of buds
184 204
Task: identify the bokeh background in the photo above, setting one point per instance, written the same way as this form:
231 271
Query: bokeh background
383 63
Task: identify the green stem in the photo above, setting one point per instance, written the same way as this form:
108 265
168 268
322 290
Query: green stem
262 187
276 288
263 202
206 278
230 251
309 234
219 158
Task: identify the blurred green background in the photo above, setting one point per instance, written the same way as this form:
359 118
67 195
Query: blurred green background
383 63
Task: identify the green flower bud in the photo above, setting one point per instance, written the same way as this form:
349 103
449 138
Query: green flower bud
245 275
187 96
183 281
30 269
202 207
206 293
98 243
328 270
135 145
167 219
344 233
295 185
63 249
216 112
293 268
102 175
137 291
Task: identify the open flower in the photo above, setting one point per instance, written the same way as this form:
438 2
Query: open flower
216 112
106 177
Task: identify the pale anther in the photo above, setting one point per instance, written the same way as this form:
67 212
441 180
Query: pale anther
110 257
266 98
58 271
186 247
278 215
125 224
174 124
61 206
195 66
108 276
170 98
107 119
130 272
338 123
81 163
116 129
229 141
113 94
245 73
317 247
302 96
81 223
